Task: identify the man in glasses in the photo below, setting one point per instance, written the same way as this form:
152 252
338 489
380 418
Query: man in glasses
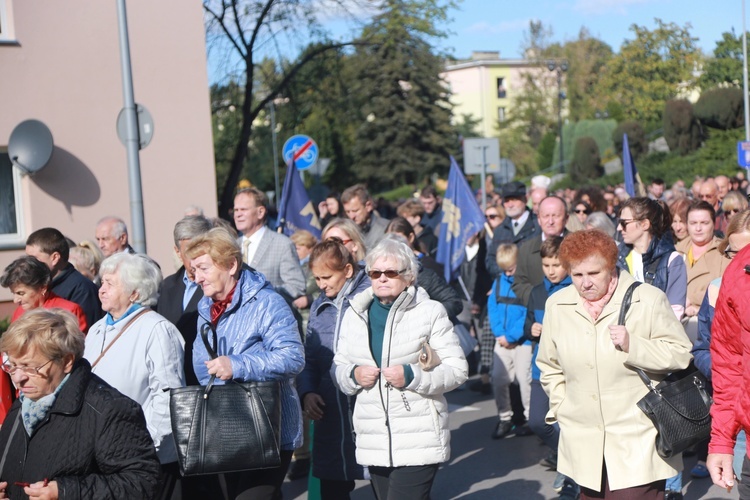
520 223
709 193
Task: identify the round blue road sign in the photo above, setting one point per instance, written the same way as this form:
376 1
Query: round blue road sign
302 150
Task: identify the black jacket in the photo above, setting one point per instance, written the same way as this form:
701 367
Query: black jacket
94 443
169 305
75 287
504 234
438 290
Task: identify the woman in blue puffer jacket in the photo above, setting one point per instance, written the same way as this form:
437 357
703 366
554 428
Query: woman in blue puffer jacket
340 278
256 340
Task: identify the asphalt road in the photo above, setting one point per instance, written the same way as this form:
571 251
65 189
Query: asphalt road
482 469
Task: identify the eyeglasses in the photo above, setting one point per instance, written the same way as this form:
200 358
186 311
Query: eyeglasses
491 216
336 238
10 369
730 253
624 222
375 274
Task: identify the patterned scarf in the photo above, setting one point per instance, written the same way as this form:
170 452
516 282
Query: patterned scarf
218 307
595 307
34 412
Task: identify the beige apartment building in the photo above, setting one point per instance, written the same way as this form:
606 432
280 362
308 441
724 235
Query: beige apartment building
60 64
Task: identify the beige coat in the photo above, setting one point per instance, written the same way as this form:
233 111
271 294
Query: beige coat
710 266
593 390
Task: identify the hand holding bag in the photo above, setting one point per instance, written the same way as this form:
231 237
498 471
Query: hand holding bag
678 406
226 428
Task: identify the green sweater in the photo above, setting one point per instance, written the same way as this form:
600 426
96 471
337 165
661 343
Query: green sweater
376 332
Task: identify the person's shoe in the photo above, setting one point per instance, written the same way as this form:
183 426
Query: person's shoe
522 430
300 469
559 482
672 495
502 429
699 470
550 461
480 387
569 490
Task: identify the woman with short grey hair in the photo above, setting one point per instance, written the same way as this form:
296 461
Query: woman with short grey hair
383 333
602 222
137 351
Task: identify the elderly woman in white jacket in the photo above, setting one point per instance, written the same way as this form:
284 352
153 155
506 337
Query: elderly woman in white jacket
401 416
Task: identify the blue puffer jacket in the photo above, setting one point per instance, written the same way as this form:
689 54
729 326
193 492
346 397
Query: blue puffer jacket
535 313
333 445
506 312
258 332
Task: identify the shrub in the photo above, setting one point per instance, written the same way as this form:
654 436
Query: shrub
681 129
636 139
721 108
587 162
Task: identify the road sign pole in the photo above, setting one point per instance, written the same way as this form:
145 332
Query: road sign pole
484 179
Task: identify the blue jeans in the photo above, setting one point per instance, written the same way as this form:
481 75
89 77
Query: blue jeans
674 483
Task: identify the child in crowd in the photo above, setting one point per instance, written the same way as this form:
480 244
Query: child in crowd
512 351
555 278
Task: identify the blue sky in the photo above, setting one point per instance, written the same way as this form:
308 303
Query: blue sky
499 24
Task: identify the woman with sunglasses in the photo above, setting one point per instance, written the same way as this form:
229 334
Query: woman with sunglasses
401 415
349 234
733 203
340 279
581 210
647 250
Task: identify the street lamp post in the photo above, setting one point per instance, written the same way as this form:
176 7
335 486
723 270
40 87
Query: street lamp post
559 67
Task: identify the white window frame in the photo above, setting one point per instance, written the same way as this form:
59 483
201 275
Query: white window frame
7 33
501 114
18 239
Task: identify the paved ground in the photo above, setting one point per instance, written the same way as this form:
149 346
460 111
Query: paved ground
483 469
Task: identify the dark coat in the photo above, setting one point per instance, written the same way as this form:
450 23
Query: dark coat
333 446
504 234
438 290
170 306
94 443
75 287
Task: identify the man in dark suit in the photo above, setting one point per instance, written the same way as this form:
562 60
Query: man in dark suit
553 215
179 295
519 225
112 236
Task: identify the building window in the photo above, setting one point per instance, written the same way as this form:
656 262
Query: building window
501 114
6 25
10 203
501 88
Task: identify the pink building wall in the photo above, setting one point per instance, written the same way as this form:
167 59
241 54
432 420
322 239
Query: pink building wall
65 71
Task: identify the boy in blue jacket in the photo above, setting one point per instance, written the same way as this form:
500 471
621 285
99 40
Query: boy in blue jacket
555 278
512 352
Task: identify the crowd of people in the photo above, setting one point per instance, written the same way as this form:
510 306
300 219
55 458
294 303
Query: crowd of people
361 331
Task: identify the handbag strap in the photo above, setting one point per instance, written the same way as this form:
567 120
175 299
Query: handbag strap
205 328
142 311
627 298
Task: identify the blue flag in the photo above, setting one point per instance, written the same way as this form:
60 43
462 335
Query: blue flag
296 211
462 219
633 183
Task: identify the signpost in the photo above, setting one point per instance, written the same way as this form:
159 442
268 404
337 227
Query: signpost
482 156
743 154
300 150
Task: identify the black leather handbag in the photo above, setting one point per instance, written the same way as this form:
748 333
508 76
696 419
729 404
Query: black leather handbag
226 428
679 406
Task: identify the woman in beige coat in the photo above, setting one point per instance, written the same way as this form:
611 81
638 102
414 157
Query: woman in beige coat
607 444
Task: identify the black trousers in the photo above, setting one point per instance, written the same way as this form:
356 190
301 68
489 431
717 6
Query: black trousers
261 484
537 412
744 486
336 490
403 483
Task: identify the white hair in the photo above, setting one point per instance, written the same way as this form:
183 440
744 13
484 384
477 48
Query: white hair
138 273
394 246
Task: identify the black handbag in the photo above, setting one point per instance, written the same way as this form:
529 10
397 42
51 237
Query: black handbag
226 428
679 406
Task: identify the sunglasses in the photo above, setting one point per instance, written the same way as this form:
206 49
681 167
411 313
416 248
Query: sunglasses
491 216
375 274
733 211
730 253
581 211
624 222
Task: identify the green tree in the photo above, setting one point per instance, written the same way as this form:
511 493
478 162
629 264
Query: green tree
726 64
587 57
681 128
651 69
406 131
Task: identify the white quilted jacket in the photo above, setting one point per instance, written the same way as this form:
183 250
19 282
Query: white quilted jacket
396 427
